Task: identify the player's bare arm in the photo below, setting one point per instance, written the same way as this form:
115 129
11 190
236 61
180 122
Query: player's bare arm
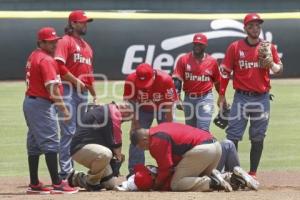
53 89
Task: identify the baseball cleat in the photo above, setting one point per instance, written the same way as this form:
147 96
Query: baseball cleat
63 188
40 188
250 182
224 184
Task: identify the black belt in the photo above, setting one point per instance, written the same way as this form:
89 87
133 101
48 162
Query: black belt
210 141
196 95
249 93
34 97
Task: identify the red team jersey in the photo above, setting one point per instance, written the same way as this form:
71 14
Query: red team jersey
168 142
242 59
41 70
162 91
77 56
197 75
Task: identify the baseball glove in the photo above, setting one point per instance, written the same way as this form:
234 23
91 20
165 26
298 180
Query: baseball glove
221 120
265 57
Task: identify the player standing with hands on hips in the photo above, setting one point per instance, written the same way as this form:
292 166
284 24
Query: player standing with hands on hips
198 72
42 95
250 60
74 54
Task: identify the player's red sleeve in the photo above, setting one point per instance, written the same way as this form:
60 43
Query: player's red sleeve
275 55
179 69
48 71
226 68
129 88
161 151
61 52
62 68
228 60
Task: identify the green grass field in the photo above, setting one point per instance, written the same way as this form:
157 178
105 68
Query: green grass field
281 151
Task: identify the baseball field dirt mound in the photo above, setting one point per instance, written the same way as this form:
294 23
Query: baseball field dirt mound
275 185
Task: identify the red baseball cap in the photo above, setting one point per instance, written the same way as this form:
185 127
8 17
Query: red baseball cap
144 76
47 34
79 16
252 17
143 179
200 38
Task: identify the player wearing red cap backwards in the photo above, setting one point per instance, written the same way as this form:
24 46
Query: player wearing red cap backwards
43 89
153 94
199 72
251 81
75 55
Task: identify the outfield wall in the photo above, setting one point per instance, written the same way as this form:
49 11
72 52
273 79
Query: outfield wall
122 40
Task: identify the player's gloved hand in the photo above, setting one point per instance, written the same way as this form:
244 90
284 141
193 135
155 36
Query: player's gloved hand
265 56
179 105
221 120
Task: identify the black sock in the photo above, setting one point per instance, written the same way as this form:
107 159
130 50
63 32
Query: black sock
33 163
255 154
236 144
51 160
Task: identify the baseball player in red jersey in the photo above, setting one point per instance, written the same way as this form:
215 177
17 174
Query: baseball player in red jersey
183 152
152 92
198 72
43 89
251 81
74 54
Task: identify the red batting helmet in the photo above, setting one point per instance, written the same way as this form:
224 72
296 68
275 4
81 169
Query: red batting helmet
143 179
252 17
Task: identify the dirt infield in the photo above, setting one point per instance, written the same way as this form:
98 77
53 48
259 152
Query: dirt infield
274 185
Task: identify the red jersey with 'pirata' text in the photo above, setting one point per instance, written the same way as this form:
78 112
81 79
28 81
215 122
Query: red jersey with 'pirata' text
197 75
248 75
77 56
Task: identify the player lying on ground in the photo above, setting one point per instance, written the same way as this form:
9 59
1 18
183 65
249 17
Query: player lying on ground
96 142
144 176
186 155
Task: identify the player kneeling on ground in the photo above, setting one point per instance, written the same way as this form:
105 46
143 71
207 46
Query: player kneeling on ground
183 153
144 176
97 140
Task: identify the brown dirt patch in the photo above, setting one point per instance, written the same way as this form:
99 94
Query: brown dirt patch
275 185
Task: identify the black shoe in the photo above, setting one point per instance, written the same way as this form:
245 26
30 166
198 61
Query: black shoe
70 178
93 188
